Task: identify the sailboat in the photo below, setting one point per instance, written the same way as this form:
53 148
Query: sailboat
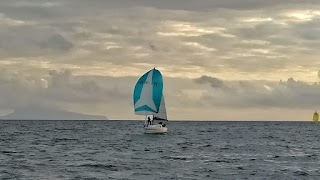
149 101
315 117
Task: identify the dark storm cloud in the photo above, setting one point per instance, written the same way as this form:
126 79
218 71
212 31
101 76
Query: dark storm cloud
27 40
243 94
66 87
57 89
190 4
214 82
309 30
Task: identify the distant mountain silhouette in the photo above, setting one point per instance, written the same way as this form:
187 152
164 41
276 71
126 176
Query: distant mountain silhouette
48 114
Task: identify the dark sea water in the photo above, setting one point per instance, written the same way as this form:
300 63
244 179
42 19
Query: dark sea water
191 150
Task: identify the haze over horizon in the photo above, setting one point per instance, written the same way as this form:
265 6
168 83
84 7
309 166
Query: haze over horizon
221 59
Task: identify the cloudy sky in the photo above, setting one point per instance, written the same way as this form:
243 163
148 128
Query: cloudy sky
221 59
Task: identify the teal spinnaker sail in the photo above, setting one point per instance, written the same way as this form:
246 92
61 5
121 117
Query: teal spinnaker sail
148 95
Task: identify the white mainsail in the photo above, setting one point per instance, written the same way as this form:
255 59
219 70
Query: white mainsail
162 113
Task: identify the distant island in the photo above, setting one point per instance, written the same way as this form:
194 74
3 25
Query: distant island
48 114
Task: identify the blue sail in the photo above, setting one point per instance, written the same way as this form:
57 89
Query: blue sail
147 93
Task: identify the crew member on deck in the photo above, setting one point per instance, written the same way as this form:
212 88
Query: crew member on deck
149 121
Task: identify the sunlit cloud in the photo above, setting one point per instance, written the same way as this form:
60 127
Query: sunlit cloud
189 30
301 15
199 46
6 21
257 42
256 19
262 51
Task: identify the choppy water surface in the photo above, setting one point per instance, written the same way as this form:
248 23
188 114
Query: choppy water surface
191 150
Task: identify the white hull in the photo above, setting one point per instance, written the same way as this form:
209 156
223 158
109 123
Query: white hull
155 129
